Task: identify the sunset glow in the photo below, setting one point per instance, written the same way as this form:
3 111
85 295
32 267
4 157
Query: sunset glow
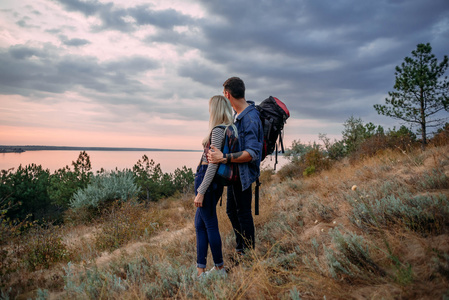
140 73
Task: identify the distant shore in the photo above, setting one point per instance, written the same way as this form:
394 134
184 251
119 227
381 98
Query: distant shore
20 149
5 149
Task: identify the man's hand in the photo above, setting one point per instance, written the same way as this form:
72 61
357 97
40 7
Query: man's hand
199 200
215 156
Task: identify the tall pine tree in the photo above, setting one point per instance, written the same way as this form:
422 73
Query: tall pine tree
421 91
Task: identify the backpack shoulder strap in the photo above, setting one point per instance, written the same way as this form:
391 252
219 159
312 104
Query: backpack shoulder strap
256 197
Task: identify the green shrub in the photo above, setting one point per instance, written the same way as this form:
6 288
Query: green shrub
294 294
183 180
92 283
355 133
441 263
320 211
64 182
351 257
308 159
118 185
434 179
28 186
149 178
123 222
315 161
10 231
42 246
370 147
155 184
441 138
403 138
422 213
152 279
290 170
266 175
298 150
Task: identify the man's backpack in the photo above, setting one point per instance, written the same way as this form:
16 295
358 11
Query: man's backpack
229 173
273 115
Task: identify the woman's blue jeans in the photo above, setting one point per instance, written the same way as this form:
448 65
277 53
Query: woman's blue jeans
206 222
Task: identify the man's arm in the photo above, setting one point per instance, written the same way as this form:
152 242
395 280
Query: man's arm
216 156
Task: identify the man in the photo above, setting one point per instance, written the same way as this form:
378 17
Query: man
250 134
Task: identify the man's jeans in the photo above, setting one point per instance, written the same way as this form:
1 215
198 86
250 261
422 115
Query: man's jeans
238 209
206 222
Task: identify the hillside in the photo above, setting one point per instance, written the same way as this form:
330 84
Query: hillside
376 228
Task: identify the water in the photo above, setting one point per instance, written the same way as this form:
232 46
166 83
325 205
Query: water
109 160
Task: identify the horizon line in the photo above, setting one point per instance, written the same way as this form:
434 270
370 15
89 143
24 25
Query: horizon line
45 147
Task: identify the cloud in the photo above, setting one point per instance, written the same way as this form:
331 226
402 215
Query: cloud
126 19
24 23
136 61
25 70
165 19
321 52
88 8
75 42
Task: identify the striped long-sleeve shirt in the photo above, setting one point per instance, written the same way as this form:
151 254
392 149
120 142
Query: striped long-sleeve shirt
217 139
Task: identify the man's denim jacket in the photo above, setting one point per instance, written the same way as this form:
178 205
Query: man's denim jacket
250 133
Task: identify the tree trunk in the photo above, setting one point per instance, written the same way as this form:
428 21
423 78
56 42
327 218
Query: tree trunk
423 121
424 139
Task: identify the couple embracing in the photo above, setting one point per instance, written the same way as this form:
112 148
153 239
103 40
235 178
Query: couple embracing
208 190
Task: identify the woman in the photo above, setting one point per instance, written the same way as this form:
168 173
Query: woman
208 191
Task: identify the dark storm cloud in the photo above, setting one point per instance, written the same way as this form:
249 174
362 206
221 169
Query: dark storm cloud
23 52
115 18
326 59
26 70
165 19
321 52
88 8
209 75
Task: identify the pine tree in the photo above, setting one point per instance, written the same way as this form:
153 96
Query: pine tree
420 91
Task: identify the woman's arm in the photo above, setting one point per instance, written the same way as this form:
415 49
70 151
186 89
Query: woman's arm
216 156
217 139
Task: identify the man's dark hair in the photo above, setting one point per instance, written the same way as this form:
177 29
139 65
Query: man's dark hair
235 86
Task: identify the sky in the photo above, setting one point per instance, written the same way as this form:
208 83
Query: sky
135 73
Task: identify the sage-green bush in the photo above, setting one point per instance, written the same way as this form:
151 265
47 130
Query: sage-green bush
422 213
93 283
115 185
434 179
352 257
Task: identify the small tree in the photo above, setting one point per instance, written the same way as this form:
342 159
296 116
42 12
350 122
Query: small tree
148 176
335 150
298 150
183 180
420 91
28 186
355 133
64 182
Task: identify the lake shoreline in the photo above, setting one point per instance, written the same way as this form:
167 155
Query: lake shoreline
20 149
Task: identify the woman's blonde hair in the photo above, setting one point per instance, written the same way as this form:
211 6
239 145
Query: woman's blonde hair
220 113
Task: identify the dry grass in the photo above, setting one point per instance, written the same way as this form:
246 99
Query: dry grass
308 243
